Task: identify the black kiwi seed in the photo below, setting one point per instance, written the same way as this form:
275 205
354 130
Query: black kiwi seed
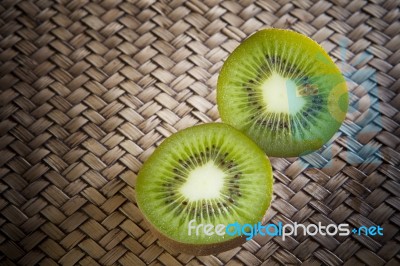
304 80
305 124
318 107
264 68
310 111
273 60
317 99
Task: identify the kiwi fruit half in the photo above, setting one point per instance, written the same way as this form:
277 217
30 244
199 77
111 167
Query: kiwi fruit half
284 91
211 174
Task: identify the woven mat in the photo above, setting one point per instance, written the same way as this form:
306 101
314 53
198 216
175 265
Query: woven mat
90 88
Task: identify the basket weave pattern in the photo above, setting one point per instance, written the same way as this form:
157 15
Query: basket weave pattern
88 89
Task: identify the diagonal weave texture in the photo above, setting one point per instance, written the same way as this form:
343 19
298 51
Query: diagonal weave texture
90 88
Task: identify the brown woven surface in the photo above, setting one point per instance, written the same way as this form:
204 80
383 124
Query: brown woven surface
90 88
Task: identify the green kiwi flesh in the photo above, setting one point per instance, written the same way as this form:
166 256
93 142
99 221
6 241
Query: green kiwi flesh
211 173
284 91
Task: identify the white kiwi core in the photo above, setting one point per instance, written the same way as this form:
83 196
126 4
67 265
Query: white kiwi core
280 95
204 182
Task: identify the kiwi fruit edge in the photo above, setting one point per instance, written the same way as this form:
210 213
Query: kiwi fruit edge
148 176
193 249
241 92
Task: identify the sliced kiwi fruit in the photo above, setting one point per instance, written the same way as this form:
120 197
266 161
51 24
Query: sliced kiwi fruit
211 174
284 91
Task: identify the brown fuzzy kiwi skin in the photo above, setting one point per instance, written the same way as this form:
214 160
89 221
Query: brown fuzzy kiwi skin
192 249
